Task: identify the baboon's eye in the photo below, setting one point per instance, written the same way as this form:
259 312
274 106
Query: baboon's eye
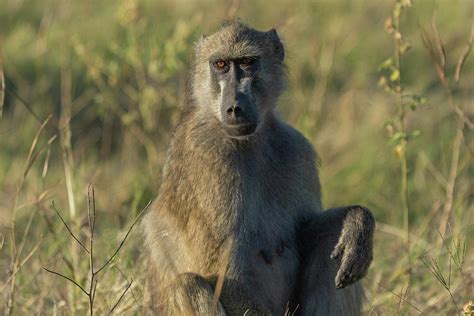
220 64
247 61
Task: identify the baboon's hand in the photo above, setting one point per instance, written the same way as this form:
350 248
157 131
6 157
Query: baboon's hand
354 248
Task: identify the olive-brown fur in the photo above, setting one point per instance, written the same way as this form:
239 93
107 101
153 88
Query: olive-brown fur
248 209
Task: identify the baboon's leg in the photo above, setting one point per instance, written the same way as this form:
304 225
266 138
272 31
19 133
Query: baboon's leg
318 294
238 302
191 294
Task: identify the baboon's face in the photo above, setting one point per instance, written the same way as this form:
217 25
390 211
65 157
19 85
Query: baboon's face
238 76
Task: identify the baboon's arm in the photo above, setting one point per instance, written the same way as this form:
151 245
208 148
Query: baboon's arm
353 228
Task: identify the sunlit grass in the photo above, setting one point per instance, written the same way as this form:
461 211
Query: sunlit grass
113 74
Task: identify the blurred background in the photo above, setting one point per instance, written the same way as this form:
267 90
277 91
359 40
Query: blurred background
92 90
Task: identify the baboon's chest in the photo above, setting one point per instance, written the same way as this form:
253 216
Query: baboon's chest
258 216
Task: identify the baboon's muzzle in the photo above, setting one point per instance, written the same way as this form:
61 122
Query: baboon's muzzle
238 110
238 118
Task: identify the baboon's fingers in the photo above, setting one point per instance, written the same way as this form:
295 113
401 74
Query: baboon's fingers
354 267
338 250
344 274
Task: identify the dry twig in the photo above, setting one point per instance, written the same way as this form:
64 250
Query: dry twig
93 273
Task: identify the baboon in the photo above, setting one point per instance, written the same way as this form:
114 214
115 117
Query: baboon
238 227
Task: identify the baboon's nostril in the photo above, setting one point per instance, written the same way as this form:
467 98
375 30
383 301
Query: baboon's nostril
235 111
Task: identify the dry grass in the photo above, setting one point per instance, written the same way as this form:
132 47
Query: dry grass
89 93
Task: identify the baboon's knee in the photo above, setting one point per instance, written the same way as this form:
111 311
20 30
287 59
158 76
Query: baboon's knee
191 294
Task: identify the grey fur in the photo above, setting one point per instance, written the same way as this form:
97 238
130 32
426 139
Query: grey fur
248 208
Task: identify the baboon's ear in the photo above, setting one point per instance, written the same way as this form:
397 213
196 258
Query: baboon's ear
277 45
199 42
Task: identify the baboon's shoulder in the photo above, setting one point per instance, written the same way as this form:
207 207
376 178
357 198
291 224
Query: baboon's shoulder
292 142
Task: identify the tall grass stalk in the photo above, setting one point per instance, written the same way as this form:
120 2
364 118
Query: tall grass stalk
391 81
402 149
68 163
394 84
16 262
